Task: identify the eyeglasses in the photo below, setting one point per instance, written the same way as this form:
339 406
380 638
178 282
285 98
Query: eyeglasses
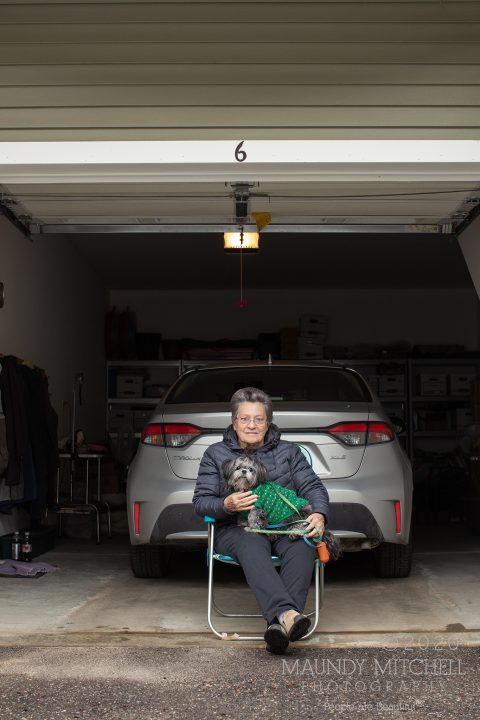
258 421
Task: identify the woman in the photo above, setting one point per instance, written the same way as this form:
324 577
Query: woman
281 596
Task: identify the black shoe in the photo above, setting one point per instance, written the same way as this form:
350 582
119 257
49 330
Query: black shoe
276 639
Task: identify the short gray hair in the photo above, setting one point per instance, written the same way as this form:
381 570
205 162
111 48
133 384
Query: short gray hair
253 395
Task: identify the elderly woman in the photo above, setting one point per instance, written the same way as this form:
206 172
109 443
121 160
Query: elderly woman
280 596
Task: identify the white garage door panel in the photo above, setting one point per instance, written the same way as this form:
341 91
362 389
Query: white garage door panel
247 74
245 52
228 95
239 118
257 70
240 31
72 11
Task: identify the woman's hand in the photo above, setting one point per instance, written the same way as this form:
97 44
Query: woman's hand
239 501
316 520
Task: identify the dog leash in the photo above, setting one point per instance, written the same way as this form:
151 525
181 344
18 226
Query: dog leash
318 543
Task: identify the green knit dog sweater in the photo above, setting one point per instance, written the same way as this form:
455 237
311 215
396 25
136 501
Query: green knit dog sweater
276 508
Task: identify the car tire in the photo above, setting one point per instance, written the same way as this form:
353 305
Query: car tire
149 561
393 561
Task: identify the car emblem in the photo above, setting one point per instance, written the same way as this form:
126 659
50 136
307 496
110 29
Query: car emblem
187 457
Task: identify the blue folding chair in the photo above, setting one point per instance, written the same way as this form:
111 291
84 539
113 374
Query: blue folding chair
213 557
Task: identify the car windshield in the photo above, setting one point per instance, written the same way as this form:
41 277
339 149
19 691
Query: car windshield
287 384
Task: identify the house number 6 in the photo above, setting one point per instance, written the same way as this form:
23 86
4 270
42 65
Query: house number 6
240 155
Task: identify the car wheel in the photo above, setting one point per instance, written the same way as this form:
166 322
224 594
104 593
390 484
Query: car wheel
393 561
149 561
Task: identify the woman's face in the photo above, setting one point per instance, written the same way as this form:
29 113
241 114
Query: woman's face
251 424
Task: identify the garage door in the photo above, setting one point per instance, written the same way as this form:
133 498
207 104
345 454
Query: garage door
220 70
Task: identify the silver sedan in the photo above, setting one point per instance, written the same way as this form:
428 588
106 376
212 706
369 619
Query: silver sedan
327 409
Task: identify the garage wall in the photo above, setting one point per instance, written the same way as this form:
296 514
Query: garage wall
469 242
218 70
53 315
355 316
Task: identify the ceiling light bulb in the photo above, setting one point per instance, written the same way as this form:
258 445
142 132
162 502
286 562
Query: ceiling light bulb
232 241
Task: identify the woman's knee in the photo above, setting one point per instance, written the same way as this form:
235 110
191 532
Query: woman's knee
237 542
297 549
251 543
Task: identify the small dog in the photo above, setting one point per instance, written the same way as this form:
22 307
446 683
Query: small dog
245 473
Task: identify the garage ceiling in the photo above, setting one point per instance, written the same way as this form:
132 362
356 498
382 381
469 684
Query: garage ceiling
212 203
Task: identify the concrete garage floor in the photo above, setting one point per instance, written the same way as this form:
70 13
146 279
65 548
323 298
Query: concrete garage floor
93 599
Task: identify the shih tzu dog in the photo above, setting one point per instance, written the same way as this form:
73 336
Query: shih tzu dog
276 505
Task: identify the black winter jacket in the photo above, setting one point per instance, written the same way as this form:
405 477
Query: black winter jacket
285 464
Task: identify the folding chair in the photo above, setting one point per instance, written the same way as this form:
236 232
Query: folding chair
213 557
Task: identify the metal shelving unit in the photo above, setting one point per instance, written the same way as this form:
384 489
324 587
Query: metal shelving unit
404 405
438 439
135 409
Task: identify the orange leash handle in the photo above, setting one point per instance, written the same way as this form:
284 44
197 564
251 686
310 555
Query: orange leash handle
323 554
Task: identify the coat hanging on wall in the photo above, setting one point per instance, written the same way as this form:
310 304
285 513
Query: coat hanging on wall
31 432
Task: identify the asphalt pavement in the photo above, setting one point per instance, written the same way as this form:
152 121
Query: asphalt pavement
434 680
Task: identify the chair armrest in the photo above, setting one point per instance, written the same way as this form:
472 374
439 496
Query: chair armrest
208 519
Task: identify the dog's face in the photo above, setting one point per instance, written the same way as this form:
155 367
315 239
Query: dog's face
243 473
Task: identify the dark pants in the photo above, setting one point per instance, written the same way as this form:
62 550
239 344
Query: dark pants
275 591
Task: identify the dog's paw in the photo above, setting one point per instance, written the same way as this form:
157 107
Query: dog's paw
257 519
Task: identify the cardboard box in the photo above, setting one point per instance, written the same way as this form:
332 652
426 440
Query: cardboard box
432 420
118 417
289 334
314 326
289 343
140 419
463 417
309 349
430 384
391 384
461 384
129 386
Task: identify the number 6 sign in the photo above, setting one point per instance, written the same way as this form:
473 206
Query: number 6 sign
240 155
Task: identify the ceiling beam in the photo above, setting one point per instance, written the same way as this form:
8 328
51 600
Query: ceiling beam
160 229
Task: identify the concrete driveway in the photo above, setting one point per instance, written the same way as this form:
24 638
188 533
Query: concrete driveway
201 683
93 598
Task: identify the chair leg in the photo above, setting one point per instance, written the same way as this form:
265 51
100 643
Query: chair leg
109 518
319 568
97 512
210 561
